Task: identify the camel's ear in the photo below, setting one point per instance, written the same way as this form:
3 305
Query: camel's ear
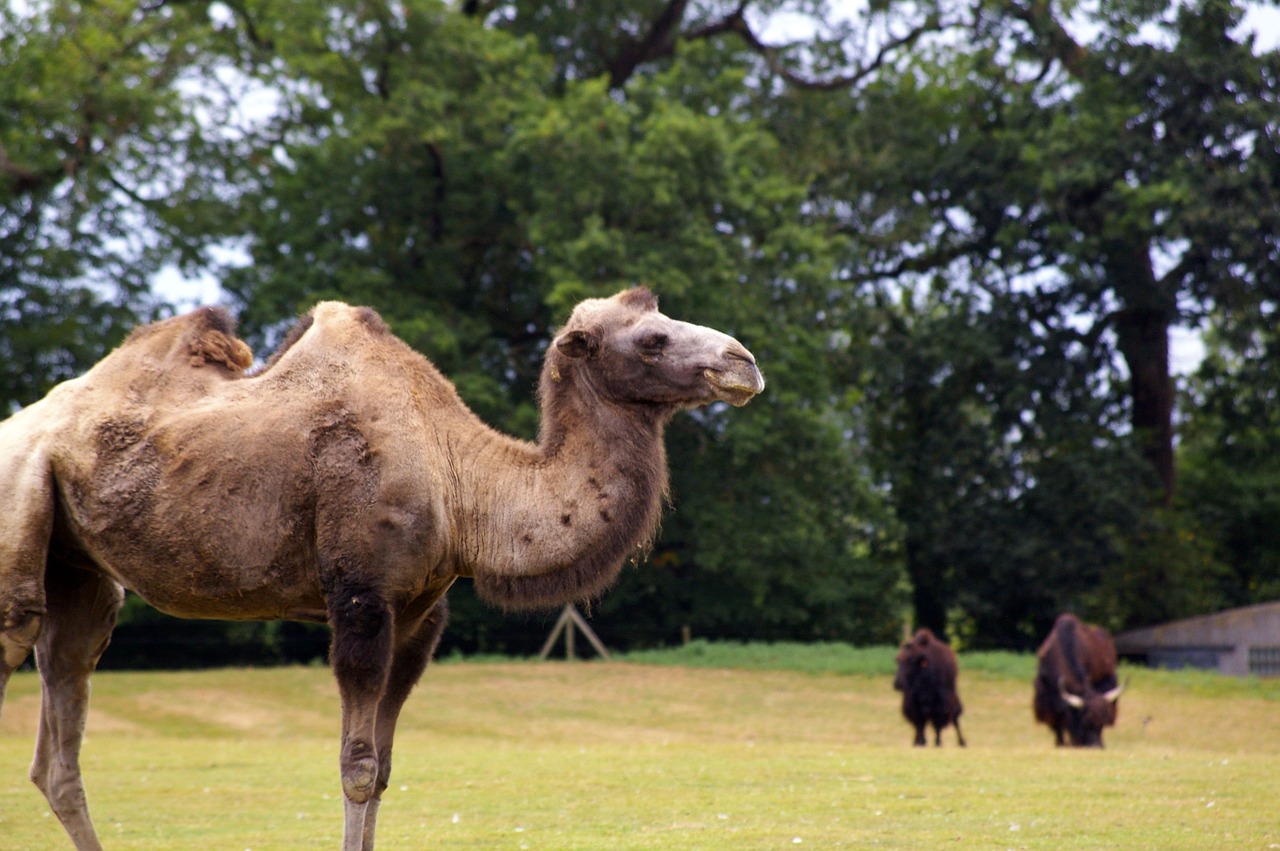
578 343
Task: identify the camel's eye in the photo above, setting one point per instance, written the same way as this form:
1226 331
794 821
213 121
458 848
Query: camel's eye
654 343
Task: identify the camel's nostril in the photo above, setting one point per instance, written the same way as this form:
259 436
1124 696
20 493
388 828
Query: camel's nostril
738 352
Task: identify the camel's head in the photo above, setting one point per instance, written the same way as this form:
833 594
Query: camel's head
633 353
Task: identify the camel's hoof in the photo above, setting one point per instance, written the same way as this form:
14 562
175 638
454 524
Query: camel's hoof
358 780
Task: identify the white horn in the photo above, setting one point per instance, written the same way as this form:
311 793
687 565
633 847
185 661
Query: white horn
1073 700
1114 695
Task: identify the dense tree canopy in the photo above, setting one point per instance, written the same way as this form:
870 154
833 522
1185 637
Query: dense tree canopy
957 235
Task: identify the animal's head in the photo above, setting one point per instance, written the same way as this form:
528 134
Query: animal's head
913 658
1088 711
632 353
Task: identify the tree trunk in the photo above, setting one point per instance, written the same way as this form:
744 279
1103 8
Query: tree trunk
928 594
1144 341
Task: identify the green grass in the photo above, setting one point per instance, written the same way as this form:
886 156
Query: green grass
705 747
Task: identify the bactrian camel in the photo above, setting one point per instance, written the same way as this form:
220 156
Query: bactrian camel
344 482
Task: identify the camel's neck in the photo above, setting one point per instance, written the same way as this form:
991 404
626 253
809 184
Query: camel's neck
559 520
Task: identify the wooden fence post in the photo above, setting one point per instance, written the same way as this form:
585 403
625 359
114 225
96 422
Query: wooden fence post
568 621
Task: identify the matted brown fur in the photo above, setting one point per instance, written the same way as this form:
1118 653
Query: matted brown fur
1076 691
343 482
927 674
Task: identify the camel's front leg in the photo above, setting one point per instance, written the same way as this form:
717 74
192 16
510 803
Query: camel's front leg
361 656
416 640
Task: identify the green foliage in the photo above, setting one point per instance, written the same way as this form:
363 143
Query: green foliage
1018 198
1230 486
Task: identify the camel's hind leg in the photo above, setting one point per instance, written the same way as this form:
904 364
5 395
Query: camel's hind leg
18 632
82 609
26 522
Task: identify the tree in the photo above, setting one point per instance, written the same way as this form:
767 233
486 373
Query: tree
1231 483
1088 188
1111 178
1001 460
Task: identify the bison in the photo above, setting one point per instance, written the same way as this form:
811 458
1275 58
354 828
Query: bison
1076 690
926 677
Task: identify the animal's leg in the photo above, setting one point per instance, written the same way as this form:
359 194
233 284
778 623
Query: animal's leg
416 641
82 613
18 631
959 735
919 742
361 656
937 735
26 523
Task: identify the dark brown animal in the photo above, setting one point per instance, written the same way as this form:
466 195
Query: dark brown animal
927 672
345 483
1076 690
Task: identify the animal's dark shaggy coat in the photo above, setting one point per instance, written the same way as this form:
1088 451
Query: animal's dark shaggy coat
927 673
1076 690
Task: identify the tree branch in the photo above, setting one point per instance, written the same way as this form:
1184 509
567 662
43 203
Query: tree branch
662 36
23 180
1038 16
659 41
736 23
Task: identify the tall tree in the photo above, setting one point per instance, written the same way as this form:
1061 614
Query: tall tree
1088 185
1109 175
1229 452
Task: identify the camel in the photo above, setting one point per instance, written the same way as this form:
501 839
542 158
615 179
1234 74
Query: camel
343 482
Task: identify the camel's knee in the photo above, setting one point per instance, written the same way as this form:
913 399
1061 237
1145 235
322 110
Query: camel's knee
360 775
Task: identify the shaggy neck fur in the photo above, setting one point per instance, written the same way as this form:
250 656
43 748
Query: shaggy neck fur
563 517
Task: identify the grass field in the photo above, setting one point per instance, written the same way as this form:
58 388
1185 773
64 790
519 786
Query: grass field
711 747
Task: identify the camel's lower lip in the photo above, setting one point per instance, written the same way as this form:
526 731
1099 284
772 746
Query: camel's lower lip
737 387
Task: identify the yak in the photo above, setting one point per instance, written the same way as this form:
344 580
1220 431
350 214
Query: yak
1076 690
927 671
